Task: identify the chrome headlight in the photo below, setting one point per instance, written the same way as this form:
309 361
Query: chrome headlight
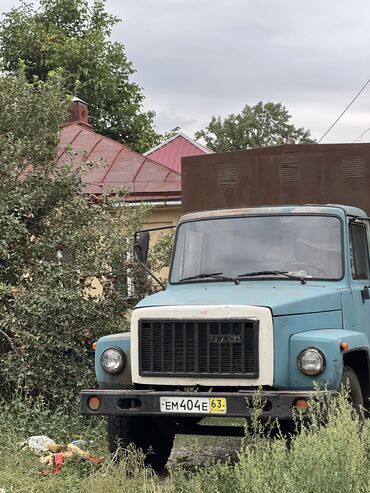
311 361
113 360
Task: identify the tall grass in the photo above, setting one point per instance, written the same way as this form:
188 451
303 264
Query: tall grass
334 457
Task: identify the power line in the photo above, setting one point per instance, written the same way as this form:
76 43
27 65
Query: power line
359 138
346 108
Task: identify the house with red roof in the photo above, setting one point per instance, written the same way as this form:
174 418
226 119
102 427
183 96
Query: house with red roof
154 177
121 167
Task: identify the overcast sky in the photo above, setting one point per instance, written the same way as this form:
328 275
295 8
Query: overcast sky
198 58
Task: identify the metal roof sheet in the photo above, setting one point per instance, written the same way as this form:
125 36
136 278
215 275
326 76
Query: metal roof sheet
118 165
170 152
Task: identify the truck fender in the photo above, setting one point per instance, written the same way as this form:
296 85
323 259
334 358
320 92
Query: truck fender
123 379
328 341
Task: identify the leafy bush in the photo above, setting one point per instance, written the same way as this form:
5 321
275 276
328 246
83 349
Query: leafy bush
55 244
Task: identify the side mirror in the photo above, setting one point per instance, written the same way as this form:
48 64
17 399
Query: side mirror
141 246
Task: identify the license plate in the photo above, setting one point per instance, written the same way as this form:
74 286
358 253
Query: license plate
195 405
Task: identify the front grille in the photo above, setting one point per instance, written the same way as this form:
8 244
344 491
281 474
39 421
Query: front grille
217 348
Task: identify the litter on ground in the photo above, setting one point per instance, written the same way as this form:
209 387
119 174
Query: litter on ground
58 454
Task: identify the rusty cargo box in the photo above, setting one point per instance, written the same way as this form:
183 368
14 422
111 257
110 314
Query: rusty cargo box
281 175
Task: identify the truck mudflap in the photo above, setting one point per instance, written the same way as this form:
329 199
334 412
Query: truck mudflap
274 404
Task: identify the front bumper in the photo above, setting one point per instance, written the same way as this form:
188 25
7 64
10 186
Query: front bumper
275 404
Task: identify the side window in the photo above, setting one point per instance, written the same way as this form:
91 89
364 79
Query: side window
359 252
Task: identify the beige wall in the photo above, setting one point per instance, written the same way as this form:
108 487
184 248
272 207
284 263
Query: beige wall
163 216
160 217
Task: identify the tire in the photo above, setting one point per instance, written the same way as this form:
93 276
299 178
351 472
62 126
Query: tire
143 434
351 383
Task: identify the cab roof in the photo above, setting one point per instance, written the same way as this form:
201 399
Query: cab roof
338 209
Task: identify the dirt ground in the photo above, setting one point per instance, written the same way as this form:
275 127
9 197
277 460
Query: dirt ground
197 451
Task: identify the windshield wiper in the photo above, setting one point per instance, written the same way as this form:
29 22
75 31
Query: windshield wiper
273 273
213 275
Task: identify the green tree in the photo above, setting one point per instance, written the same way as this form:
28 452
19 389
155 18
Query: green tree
54 243
74 36
255 126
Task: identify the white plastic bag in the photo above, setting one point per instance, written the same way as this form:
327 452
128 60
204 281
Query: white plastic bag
39 444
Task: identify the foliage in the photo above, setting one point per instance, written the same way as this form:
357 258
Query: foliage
264 124
75 36
55 243
160 251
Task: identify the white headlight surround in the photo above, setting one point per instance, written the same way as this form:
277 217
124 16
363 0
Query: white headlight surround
113 360
311 361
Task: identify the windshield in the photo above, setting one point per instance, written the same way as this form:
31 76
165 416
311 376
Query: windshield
258 247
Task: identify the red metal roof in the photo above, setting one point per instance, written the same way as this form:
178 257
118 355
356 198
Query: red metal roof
119 165
170 152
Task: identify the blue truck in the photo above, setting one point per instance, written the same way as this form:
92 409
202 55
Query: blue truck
271 297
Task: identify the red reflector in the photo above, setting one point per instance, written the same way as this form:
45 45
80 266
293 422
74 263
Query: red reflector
94 403
301 404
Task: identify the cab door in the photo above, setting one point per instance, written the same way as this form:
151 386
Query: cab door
360 266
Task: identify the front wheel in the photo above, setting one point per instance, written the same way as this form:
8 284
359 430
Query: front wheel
352 385
143 434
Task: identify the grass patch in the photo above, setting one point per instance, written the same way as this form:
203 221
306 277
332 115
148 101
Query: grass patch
334 457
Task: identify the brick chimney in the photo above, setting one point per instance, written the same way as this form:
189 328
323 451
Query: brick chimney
79 111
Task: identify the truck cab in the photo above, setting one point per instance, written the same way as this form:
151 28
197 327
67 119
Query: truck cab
272 298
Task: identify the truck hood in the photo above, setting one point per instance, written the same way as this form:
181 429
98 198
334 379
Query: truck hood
283 298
